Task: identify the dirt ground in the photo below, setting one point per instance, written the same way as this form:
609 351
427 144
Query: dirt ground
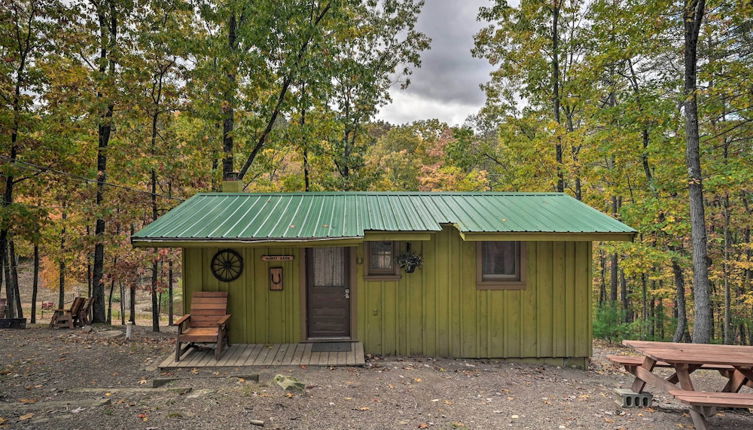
39 365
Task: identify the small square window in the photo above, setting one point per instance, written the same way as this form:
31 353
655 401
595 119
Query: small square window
501 265
380 260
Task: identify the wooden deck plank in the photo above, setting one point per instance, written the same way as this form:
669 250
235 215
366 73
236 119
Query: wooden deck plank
227 356
232 356
241 356
291 354
270 358
168 362
251 359
259 359
288 358
360 358
204 358
306 359
296 360
248 353
194 358
272 354
280 356
266 356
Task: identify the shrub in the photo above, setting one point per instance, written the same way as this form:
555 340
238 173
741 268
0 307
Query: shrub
609 323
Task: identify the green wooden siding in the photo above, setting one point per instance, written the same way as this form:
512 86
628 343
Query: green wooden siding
436 311
259 315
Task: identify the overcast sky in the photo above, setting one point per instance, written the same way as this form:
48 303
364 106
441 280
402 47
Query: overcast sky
447 84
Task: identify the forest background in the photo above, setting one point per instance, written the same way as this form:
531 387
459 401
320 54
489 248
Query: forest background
114 111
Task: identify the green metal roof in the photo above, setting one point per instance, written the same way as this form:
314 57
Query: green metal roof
341 215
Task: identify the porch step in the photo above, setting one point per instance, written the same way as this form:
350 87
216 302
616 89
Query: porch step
286 354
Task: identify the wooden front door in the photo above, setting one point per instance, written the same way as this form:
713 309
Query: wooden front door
328 292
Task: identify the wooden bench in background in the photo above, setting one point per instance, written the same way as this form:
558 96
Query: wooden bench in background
66 318
207 323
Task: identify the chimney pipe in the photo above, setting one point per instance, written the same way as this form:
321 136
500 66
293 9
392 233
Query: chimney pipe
231 184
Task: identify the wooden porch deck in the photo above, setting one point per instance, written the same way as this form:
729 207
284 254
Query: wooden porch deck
287 354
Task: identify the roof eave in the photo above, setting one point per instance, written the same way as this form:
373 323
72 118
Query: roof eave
549 236
167 242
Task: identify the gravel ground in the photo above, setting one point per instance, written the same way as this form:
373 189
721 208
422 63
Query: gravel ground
40 365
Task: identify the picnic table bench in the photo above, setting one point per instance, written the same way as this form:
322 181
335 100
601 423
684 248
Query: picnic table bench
733 362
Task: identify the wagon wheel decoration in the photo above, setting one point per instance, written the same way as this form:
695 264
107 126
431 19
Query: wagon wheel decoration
227 265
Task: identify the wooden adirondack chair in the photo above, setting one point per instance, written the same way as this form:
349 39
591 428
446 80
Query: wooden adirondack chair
207 323
65 317
82 318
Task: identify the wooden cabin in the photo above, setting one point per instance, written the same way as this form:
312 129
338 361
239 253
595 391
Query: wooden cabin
501 275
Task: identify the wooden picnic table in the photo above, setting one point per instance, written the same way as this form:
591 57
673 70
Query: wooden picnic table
732 361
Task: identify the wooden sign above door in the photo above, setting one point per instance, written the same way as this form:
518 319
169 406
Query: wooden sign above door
276 258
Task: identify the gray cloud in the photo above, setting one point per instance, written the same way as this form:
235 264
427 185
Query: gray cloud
449 77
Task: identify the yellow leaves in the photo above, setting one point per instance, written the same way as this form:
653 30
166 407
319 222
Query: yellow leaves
27 401
25 417
362 408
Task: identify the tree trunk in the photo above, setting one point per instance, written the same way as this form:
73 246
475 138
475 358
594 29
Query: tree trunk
644 304
652 312
660 318
109 302
14 275
681 331
556 91
2 279
35 285
61 266
132 303
153 290
304 142
625 297
613 278
108 39
229 104
9 290
122 303
727 329
170 310
692 18
603 283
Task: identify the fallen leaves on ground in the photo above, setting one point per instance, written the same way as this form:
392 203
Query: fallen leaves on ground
25 417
